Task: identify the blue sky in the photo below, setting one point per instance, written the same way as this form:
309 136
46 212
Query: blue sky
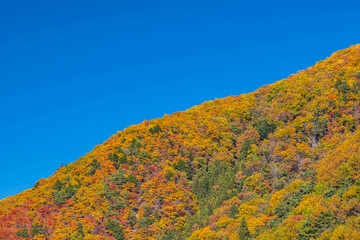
72 73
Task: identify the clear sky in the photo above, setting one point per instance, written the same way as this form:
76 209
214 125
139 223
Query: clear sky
72 73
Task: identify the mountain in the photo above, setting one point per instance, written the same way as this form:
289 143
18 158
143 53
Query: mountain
282 162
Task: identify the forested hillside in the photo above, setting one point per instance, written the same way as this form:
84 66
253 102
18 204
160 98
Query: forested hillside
282 162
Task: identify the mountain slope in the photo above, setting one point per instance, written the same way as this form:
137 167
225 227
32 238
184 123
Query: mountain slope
279 163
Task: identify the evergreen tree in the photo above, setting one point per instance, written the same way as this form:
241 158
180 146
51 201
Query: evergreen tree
37 229
264 127
244 232
233 211
155 129
80 230
94 166
23 233
117 231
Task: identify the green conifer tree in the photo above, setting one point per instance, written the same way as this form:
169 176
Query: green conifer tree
80 230
233 211
244 232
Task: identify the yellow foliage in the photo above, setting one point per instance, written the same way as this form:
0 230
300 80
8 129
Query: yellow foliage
204 234
277 198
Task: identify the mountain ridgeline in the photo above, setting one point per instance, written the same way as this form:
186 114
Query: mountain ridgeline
282 162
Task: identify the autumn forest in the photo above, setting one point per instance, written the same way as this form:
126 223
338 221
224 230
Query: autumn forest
282 162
